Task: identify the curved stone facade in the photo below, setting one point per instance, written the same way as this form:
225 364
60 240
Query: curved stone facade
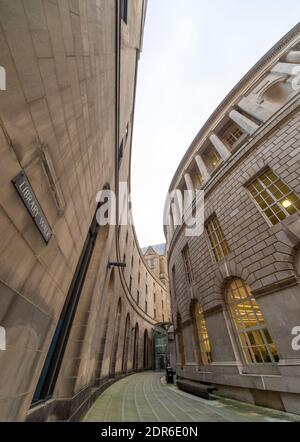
73 323
235 289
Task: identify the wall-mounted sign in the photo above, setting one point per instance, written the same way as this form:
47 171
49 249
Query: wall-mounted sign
31 203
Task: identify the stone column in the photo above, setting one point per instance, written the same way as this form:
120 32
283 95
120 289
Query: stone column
261 112
188 182
177 207
189 344
220 147
202 168
245 123
286 68
293 57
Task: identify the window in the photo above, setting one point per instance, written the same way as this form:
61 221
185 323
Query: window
154 297
121 152
139 278
154 312
254 337
187 265
203 339
130 283
276 200
127 133
234 135
211 158
146 306
124 10
151 264
217 239
146 289
138 297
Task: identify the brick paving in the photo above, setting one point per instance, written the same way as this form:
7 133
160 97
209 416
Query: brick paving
144 397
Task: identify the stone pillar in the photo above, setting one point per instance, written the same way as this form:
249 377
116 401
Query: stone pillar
245 123
177 207
202 168
171 227
220 147
261 112
293 57
286 68
188 181
189 344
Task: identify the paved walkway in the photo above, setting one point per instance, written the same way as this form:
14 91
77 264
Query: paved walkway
145 397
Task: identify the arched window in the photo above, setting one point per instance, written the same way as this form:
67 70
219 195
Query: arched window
202 335
257 344
297 262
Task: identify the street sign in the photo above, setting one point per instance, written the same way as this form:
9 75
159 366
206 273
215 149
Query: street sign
31 203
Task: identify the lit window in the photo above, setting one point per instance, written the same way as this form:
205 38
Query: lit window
197 178
276 200
187 265
255 340
234 136
211 158
203 339
217 239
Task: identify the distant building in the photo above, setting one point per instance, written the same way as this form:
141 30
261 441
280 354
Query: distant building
156 259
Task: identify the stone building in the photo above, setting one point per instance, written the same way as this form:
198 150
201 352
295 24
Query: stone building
235 289
73 317
156 259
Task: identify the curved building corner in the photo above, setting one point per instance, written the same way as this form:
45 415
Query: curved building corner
74 318
235 291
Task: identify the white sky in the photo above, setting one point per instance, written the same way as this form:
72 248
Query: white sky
195 51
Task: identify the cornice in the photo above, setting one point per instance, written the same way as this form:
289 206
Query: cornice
229 101
238 156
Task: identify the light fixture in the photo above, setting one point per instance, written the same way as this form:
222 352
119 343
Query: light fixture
117 264
286 203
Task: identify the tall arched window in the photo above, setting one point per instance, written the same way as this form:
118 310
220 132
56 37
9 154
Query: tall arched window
257 344
203 340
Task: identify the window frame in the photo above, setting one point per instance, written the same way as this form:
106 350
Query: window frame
276 202
189 274
260 327
202 340
220 242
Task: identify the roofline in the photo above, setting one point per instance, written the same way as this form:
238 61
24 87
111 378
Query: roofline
256 69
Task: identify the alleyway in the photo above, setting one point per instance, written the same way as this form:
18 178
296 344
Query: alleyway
144 397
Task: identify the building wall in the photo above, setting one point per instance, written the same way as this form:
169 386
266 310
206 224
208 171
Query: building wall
264 256
158 265
70 95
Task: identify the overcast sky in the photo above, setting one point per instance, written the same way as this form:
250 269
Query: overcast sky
195 51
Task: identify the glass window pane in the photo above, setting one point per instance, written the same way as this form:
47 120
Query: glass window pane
248 319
